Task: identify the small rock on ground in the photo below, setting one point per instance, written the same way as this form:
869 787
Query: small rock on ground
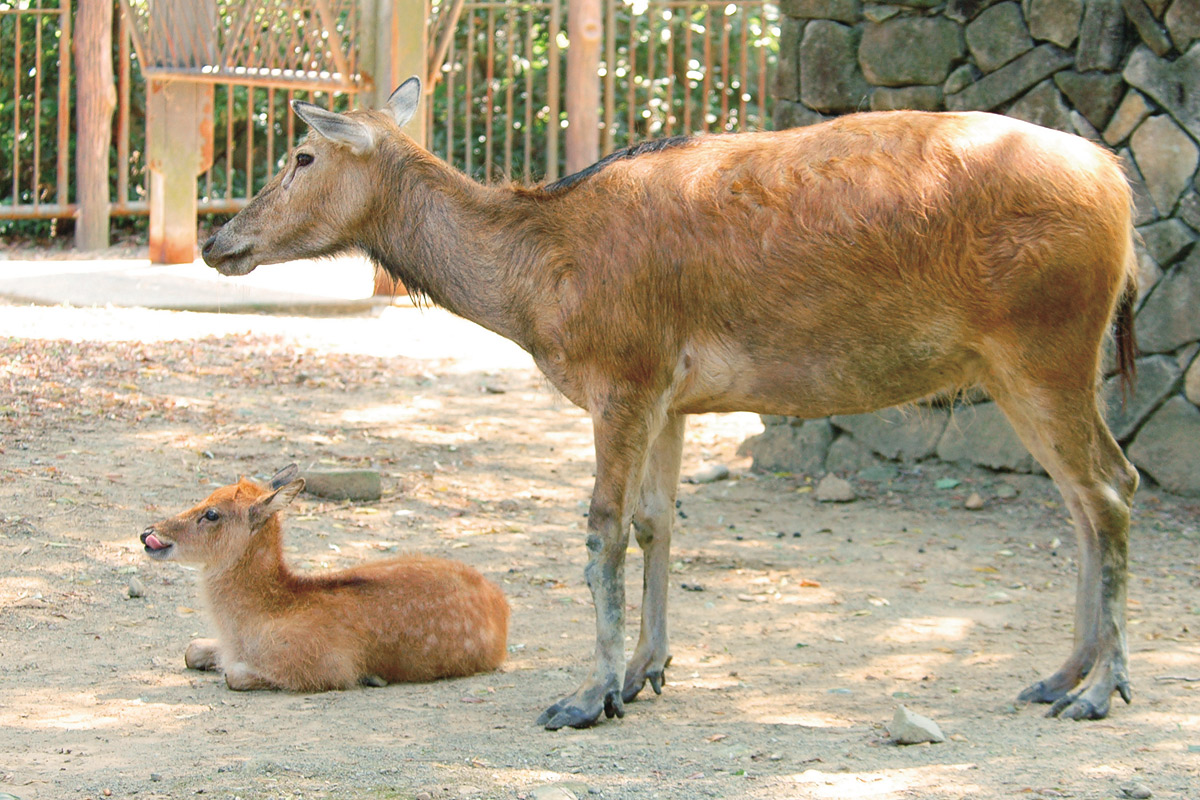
556 791
1136 791
833 489
974 502
909 727
136 587
343 484
717 472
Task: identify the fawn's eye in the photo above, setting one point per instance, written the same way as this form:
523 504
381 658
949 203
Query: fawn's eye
211 515
303 159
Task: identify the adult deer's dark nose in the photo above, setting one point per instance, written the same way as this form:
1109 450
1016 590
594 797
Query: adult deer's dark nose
207 250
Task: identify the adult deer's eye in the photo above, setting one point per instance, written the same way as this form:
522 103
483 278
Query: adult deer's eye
303 159
211 515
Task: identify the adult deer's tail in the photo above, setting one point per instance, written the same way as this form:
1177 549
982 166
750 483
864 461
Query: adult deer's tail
1123 333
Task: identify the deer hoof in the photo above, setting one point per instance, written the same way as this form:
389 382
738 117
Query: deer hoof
568 712
1092 702
1074 707
1040 692
634 684
613 705
635 681
564 715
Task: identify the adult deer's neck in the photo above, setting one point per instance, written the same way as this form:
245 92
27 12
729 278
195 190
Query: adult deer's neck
470 249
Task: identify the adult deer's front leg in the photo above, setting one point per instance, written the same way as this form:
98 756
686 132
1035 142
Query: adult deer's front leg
621 445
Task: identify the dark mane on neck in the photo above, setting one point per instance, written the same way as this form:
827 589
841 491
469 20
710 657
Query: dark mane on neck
574 179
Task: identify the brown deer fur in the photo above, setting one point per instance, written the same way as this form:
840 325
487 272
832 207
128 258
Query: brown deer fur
852 265
412 618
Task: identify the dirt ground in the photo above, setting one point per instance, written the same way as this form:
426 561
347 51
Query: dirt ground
797 627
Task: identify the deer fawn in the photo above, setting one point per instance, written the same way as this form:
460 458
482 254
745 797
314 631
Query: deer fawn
865 262
411 618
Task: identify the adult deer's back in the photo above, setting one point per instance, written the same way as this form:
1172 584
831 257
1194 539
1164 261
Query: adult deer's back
869 261
834 269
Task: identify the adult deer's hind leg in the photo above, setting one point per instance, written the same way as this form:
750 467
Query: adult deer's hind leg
1066 433
652 522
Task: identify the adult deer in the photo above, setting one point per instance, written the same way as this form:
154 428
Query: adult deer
861 263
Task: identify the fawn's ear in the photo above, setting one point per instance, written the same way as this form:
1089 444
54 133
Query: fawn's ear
262 508
284 476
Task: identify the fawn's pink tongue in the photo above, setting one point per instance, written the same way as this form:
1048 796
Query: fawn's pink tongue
154 543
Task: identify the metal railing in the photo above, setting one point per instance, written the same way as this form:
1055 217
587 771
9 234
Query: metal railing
272 43
668 67
35 97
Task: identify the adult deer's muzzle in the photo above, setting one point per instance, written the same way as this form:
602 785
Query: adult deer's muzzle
227 257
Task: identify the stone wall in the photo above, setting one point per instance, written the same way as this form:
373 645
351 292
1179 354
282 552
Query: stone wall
1125 73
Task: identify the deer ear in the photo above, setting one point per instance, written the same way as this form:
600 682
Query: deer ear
262 508
284 476
402 105
336 127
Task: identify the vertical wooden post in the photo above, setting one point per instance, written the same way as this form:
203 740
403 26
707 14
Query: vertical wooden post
96 98
393 48
585 29
179 131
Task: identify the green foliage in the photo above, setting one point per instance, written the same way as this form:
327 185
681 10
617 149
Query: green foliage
676 69
29 113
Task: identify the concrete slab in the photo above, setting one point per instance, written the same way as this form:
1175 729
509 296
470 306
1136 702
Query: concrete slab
309 288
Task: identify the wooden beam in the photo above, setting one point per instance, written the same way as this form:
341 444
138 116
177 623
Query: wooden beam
96 98
585 30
